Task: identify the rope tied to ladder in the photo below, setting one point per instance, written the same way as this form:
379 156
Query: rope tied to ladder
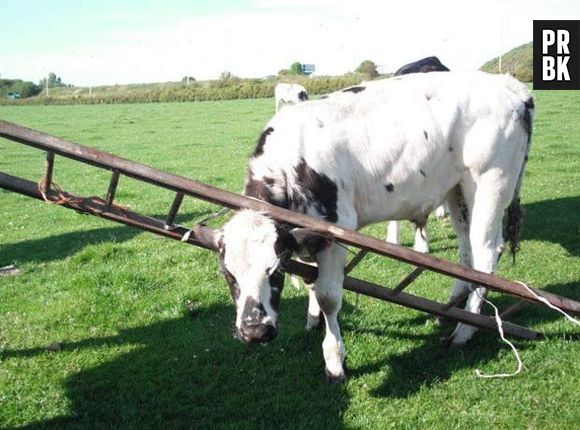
511 345
64 198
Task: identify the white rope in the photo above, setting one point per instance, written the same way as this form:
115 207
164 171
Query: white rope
550 305
501 334
500 330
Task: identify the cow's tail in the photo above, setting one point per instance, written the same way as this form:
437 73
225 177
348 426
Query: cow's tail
515 211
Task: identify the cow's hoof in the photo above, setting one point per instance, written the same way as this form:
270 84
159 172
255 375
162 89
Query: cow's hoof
452 343
335 379
460 336
313 322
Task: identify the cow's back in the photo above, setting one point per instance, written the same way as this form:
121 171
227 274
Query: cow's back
396 147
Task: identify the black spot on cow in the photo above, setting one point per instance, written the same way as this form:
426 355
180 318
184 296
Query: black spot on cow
425 134
526 117
262 189
276 284
322 97
302 96
390 187
253 311
261 142
422 173
230 279
315 189
450 149
463 209
424 65
354 90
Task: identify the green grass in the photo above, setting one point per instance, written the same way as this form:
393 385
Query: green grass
130 355
518 62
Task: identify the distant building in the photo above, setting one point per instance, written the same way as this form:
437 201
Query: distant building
308 69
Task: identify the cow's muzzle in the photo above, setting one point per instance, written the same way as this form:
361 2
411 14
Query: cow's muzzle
256 333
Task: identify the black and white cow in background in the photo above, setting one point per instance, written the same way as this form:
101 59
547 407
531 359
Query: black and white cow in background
289 93
396 150
424 65
421 243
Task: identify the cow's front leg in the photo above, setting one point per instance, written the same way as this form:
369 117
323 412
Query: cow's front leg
328 291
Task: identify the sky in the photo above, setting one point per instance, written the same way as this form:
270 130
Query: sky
105 42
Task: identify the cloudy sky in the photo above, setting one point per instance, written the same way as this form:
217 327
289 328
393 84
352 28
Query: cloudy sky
89 42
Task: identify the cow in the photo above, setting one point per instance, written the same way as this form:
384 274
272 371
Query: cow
424 65
421 243
289 93
396 150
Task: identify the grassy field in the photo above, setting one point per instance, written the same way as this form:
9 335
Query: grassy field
96 332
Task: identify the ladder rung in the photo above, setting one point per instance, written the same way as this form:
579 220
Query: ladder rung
458 299
49 166
355 261
173 211
408 279
112 188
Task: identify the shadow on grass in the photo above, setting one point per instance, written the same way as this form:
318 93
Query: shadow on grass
64 245
556 221
429 363
191 373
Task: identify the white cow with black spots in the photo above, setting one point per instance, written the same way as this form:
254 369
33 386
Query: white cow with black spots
395 151
289 93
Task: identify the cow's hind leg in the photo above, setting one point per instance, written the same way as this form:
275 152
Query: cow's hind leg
421 236
489 201
328 290
459 212
394 232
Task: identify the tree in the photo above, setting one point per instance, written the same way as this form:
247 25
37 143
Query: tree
226 76
296 69
53 81
368 68
24 88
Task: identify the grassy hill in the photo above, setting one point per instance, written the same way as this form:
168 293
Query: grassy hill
517 62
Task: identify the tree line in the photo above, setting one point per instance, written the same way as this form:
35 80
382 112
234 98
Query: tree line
228 86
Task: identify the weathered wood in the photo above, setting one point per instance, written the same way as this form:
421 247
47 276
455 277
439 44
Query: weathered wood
48 170
513 309
99 208
112 188
173 210
407 280
232 200
355 261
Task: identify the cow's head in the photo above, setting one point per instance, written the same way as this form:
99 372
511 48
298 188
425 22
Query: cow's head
253 249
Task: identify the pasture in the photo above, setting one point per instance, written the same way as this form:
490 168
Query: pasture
110 327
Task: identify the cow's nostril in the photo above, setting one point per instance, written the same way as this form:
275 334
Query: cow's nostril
257 333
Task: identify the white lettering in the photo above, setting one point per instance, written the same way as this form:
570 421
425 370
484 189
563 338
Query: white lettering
563 41
562 67
548 39
548 70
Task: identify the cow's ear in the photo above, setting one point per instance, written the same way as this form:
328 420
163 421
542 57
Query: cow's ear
307 242
208 236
